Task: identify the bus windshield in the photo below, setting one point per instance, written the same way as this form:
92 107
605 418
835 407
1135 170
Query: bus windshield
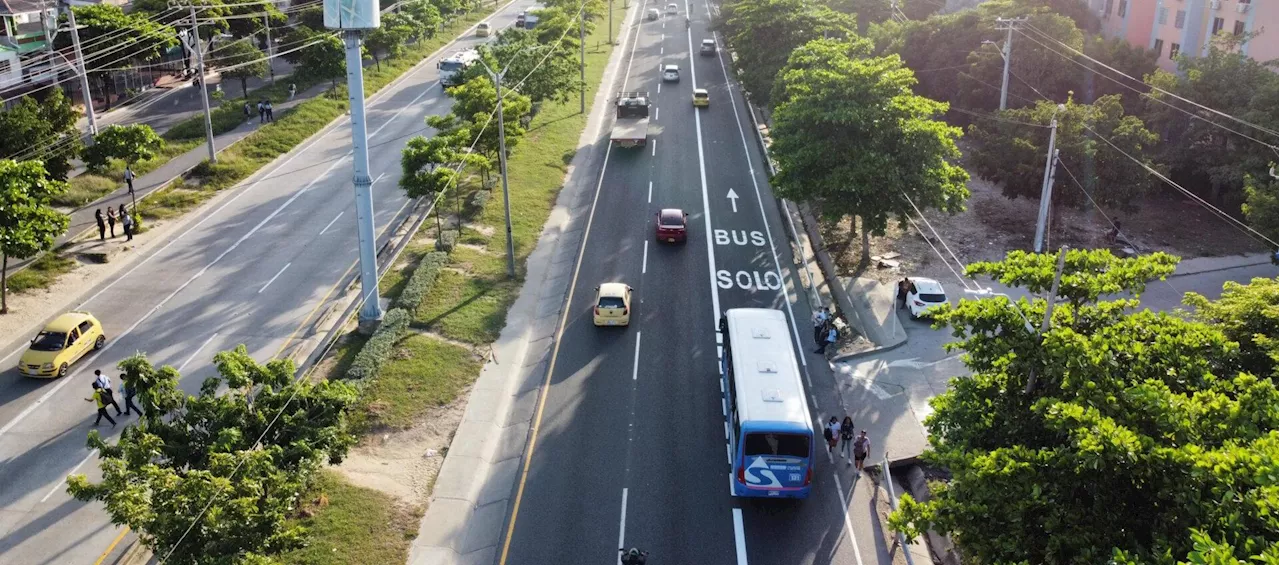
451 66
785 445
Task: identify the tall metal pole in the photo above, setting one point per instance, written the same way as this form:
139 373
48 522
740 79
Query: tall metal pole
204 92
1048 309
610 22
271 48
370 309
1004 83
502 164
1046 188
84 77
582 65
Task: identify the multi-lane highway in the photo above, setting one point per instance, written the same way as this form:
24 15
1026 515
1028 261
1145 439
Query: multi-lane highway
630 448
250 269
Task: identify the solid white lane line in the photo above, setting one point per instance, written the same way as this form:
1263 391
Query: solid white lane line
848 524
273 279
635 364
622 525
644 263
739 539
706 203
777 265
58 486
651 192
196 352
331 222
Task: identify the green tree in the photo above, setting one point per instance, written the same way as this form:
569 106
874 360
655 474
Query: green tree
112 32
130 144
427 16
851 137
449 8
765 32
431 165
213 15
1262 205
553 77
1117 53
391 37
866 12
1013 154
241 60
242 23
245 452
312 17
297 37
1035 72
45 122
475 102
28 223
326 59
1143 433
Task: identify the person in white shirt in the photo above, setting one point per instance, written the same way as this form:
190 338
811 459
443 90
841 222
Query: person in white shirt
820 320
104 383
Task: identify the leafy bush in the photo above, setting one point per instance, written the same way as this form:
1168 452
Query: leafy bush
423 277
448 239
477 202
378 348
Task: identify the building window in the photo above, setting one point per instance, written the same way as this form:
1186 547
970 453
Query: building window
1239 30
1217 25
1163 16
5 67
1244 1
1158 47
1123 5
1106 11
1180 20
1174 49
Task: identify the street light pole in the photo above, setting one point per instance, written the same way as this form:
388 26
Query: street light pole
271 56
204 92
582 65
84 77
1046 188
502 165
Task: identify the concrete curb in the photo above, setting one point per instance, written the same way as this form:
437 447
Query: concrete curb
1261 260
470 506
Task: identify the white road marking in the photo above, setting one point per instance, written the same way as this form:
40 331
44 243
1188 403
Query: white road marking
733 199
706 204
331 222
659 88
622 525
58 487
728 455
739 539
655 148
273 279
635 365
848 524
655 114
644 263
651 192
196 352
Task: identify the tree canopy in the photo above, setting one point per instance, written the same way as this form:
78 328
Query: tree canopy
1149 436
130 144
765 32
846 126
326 59
244 447
28 223
242 61
556 78
46 122
112 32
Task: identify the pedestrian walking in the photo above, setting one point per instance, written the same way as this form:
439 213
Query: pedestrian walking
831 433
293 90
271 117
904 286
129 389
262 111
111 220
104 383
820 320
846 435
127 220
247 111
832 336
861 447
97 398
102 224
128 178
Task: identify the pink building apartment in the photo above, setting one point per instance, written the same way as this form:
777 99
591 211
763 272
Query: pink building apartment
1172 27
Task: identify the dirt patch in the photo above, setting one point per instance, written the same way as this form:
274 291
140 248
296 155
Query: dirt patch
404 464
991 225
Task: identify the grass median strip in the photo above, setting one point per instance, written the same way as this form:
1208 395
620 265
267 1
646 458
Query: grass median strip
350 524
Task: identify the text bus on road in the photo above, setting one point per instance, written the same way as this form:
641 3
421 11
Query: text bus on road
770 432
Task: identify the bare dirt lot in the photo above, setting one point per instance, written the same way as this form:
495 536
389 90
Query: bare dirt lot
991 225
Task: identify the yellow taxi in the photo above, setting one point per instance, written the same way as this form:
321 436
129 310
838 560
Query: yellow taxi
613 305
62 342
701 98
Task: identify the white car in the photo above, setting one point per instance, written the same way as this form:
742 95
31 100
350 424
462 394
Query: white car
671 73
483 29
924 294
652 14
672 9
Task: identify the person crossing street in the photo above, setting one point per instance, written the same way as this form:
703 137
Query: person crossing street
99 398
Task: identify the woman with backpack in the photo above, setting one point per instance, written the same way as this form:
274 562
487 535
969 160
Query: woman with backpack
846 438
832 434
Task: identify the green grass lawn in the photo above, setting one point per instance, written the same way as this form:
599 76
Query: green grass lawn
41 274
423 373
392 283
356 525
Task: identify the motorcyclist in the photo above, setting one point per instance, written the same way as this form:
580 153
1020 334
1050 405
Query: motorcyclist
633 556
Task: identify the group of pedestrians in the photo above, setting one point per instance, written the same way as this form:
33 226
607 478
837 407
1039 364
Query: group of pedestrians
109 222
824 330
266 113
841 433
103 397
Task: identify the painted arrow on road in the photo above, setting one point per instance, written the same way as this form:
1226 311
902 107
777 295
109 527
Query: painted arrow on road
733 199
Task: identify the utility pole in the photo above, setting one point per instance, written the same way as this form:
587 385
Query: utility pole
1009 25
204 92
84 77
502 165
1048 309
582 64
271 48
610 22
1046 188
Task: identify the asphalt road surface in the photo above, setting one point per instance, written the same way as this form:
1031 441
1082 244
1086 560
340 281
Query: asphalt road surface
251 270
631 445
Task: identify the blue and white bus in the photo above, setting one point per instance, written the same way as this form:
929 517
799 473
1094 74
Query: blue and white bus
770 431
452 67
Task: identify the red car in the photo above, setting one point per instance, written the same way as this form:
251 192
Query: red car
671 225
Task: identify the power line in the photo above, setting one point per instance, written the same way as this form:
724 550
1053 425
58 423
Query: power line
937 235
